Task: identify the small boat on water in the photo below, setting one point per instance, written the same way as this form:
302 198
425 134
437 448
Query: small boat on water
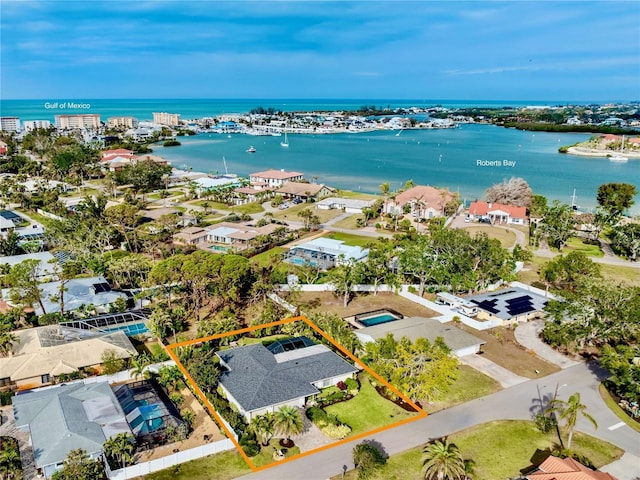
619 157
286 141
251 149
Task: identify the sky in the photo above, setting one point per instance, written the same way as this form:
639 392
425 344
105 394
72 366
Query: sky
481 50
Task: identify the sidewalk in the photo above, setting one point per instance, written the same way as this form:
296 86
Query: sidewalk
626 468
527 335
500 374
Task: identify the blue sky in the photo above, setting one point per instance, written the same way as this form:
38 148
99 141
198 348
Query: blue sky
309 49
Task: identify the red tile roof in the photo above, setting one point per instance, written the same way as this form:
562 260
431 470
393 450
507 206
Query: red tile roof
117 151
554 468
432 197
483 208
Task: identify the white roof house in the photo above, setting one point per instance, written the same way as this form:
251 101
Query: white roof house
94 291
324 253
47 261
349 205
66 418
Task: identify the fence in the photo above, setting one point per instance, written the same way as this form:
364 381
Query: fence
177 458
446 313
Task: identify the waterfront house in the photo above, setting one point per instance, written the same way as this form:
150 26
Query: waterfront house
422 202
498 213
275 178
227 236
68 417
44 353
348 205
303 191
258 379
324 253
460 342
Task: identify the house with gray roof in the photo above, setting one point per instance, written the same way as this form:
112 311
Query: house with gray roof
260 379
460 342
324 253
68 417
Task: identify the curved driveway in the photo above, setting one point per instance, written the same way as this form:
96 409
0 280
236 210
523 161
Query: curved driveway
511 403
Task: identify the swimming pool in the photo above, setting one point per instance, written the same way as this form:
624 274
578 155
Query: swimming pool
131 329
378 319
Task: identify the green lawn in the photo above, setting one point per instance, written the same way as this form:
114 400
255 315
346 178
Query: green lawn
367 410
358 195
469 385
349 223
499 449
350 239
291 213
577 244
507 238
266 453
615 408
265 259
222 466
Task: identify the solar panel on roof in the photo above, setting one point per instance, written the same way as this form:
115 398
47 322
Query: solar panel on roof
524 298
521 309
101 287
9 215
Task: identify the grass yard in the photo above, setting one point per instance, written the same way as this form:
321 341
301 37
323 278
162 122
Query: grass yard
506 237
291 213
351 239
349 223
367 410
503 349
614 273
247 208
576 244
265 456
615 408
222 466
270 256
470 384
357 195
512 446
327 302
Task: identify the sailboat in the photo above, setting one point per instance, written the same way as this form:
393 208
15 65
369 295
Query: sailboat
618 157
286 141
398 134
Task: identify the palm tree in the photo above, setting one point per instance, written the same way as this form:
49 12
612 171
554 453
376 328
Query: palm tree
442 461
121 447
262 426
7 339
569 411
139 364
10 463
159 322
287 422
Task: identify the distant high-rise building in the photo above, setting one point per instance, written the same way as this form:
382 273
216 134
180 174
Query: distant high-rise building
164 118
33 124
10 124
127 122
68 122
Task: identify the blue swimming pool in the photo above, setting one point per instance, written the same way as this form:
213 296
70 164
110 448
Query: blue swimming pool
378 319
131 329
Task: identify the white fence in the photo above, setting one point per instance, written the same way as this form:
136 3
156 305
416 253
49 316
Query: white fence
446 313
48 215
177 458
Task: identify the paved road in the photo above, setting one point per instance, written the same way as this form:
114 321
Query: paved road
511 403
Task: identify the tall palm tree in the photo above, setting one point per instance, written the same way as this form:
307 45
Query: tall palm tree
262 426
287 422
442 460
569 411
120 447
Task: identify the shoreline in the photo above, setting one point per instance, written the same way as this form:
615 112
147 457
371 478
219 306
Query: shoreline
591 152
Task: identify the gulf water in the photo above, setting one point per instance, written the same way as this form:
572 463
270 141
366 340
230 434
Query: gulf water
461 159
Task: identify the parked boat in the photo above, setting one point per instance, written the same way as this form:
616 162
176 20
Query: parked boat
286 141
619 157
251 149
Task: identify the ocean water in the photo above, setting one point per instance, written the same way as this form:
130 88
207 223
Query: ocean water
142 109
468 159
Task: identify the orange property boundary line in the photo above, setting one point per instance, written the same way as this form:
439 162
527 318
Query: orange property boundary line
170 349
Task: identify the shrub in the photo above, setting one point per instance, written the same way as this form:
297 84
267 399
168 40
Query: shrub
352 384
337 432
5 397
176 398
251 449
341 385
